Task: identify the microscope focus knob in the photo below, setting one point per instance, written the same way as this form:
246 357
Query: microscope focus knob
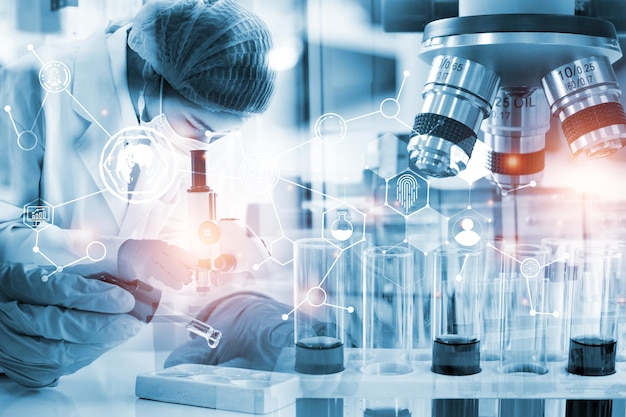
226 262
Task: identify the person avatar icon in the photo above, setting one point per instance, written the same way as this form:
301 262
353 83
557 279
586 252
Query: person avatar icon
467 236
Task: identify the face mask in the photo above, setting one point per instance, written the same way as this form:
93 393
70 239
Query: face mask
163 126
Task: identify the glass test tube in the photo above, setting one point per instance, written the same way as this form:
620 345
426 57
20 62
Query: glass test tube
558 298
316 407
593 331
523 337
319 316
422 298
386 408
456 323
387 310
192 325
620 294
489 289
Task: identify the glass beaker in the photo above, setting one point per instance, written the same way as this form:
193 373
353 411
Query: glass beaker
593 331
523 337
456 321
319 312
388 288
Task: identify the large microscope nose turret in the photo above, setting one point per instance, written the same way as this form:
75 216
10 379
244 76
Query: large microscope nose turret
533 51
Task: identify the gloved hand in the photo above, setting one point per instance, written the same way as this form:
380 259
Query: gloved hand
253 333
143 259
54 328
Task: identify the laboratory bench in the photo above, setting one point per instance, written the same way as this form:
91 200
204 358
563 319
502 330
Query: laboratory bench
107 388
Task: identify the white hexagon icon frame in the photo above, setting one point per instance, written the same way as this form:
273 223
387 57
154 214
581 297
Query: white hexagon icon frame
343 226
162 167
38 214
427 229
406 193
468 229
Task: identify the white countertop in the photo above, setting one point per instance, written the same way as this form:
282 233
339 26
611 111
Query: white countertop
107 387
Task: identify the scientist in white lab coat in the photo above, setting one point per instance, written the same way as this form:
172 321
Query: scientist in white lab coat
188 69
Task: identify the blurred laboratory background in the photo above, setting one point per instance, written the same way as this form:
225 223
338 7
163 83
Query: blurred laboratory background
482 140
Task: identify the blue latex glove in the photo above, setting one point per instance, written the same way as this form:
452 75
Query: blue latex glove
143 259
253 333
54 328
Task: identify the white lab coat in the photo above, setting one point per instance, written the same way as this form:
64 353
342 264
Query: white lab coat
63 169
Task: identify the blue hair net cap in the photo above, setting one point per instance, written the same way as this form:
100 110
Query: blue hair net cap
213 52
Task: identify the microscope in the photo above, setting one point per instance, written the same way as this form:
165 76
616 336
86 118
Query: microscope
500 70
229 251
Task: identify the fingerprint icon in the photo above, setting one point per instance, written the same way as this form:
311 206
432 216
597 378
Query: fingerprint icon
406 191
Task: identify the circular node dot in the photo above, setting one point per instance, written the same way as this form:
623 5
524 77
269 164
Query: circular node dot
555 314
330 128
530 268
7 108
285 317
533 183
533 313
27 140
30 47
316 297
469 207
255 267
143 148
259 173
350 309
390 108
405 241
384 252
406 73
36 249
504 193
59 268
44 278
96 251
54 76
459 277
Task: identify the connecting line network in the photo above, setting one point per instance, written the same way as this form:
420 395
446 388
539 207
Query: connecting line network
530 268
55 77
331 128
259 173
